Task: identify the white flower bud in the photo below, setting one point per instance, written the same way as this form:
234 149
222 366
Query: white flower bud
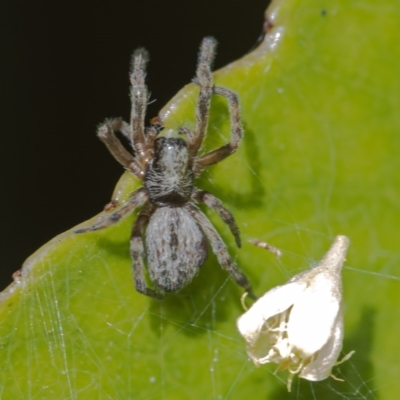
299 325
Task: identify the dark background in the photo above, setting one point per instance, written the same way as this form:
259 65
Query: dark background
64 69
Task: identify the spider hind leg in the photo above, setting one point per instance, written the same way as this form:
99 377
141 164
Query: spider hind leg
220 250
138 255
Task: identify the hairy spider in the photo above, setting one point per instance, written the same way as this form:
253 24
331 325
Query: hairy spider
174 230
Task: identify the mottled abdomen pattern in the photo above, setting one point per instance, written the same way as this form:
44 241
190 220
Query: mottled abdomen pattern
176 248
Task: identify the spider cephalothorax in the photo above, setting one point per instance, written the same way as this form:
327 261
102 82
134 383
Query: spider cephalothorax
170 231
169 176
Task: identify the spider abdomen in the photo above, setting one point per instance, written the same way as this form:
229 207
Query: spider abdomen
176 248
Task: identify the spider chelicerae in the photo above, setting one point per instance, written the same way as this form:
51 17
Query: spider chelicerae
170 231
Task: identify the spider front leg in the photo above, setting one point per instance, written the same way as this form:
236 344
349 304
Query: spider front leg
106 133
204 79
137 199
201 196
220 250
138 254
139 97
222 152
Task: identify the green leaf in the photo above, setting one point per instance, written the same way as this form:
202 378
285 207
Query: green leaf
320 100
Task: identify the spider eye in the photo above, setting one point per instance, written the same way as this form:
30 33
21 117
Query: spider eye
158 128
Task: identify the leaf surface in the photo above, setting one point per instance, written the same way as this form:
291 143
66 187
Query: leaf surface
320 102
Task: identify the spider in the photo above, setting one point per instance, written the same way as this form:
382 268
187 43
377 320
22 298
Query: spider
170 231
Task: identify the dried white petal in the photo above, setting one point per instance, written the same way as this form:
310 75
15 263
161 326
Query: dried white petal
320 368
299 325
